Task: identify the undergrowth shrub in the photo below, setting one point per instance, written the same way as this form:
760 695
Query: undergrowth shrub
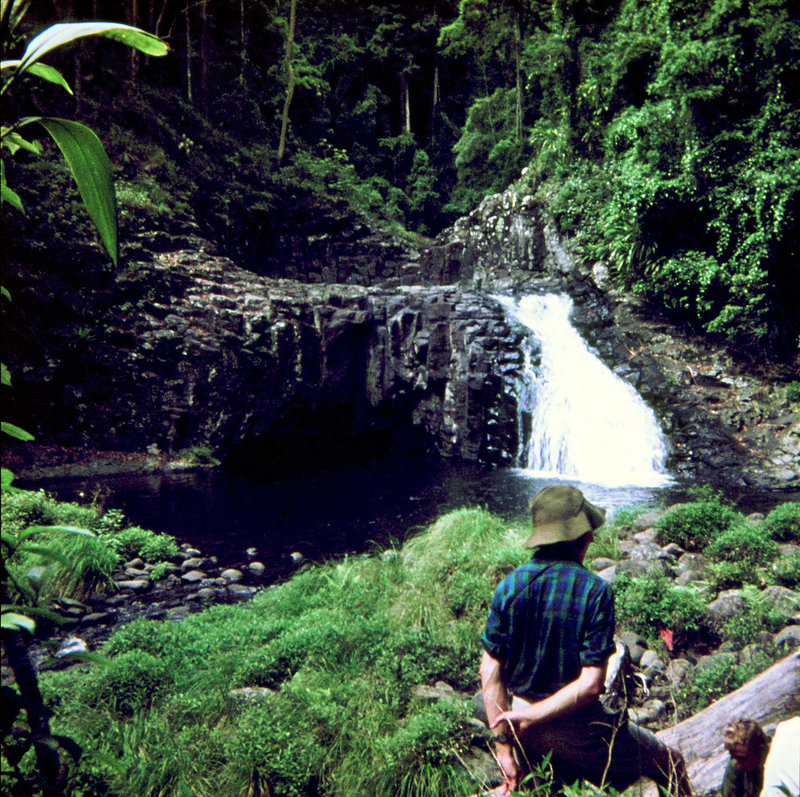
144 635
324 639
783 523
414 656
22 508
647 604
270 752
757 615
693 526
419 758
741 553
135 541
786 570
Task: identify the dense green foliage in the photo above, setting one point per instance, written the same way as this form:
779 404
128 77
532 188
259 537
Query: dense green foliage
324 669
694 525
664 135
72 565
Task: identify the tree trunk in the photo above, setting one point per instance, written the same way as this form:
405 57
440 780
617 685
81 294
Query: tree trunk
204 57
290 77
188 56
243 38
435 103
405 103
518 68
134 53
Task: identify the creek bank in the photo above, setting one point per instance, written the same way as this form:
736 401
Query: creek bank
33 462
168 591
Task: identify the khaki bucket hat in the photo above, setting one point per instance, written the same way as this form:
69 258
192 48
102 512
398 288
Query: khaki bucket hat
560 513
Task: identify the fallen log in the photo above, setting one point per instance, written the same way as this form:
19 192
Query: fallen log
768 699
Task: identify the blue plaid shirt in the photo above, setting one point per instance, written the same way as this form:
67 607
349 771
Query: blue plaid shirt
548 619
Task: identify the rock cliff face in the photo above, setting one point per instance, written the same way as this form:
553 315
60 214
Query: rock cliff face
216 356
353 353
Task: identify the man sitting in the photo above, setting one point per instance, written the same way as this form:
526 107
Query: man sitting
548 638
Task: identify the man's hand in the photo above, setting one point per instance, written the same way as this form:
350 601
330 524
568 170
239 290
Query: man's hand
518 720
509 767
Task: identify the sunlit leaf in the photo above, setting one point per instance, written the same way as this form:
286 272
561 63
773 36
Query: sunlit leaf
5 375
14 431
10 196
91 168
15 142
5 294
51 74
17 622
65 529
65 32
7 478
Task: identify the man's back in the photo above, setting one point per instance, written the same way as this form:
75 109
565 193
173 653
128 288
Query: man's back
549 619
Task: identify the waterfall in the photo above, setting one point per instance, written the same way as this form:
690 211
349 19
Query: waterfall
578 420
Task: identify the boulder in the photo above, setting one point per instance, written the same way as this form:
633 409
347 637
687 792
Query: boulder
781 599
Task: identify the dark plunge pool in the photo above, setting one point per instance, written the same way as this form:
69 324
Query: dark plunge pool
326 513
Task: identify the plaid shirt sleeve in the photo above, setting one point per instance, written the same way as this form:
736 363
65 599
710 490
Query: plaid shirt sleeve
496 635
598 639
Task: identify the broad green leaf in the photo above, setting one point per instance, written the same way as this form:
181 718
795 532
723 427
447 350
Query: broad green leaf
40 70
5 294
65 32
51 74
10 196
17 622
7 478
15 142
66 529
14 431
92 171
5 375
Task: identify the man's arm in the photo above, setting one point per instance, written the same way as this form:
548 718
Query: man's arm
588 686
495 699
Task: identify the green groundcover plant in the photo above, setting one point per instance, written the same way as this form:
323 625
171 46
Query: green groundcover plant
309 688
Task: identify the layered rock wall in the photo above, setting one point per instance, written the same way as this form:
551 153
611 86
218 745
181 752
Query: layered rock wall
218 357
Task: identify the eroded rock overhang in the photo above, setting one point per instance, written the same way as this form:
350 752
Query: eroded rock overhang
219 357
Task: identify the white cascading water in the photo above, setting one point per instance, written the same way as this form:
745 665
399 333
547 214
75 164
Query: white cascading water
586 424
